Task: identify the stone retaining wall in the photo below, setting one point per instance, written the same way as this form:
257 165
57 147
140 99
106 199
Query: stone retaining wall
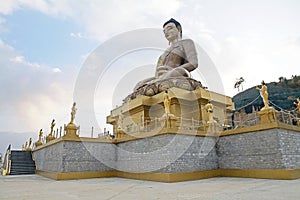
267 149
69 156
273 149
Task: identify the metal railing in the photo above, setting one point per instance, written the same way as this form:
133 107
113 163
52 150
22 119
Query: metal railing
283 116
157 124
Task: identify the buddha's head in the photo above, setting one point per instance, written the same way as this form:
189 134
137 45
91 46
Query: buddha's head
172 30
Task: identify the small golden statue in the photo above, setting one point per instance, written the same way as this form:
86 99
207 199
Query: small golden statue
167 103
39 142
170 119
120 131
52 126
50 136
264 94
267 113
28 147
73 112
71 128
120 121
209 110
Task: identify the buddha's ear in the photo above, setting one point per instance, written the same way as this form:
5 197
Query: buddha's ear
180 31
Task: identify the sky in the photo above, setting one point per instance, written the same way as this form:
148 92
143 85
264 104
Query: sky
46 44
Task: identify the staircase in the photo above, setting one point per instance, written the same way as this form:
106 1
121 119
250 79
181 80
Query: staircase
21 163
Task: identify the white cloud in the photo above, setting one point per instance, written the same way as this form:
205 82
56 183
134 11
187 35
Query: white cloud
8 6
257 58
56 70
51 7
18 59
101 19
21 60
76 35
2 20
220 29
31 94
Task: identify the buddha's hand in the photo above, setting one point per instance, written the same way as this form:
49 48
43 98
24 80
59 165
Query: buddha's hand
161 70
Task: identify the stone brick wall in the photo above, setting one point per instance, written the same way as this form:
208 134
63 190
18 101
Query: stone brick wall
174 153
88 156
168 154
268 149
290 148
201 155
68 156
49 158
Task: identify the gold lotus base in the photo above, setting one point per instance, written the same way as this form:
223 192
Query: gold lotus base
49 138
71 130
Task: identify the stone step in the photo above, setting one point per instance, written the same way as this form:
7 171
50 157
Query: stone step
25 154
21 163
22 166
21 155
16 152
26 157
22 172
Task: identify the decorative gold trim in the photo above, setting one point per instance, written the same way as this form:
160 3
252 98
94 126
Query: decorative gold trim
281 174
75 175
170 177
260 127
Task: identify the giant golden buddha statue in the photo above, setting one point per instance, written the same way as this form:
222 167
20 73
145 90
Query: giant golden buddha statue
174 65
171 98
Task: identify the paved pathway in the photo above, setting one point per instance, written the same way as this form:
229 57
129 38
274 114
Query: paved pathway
36 187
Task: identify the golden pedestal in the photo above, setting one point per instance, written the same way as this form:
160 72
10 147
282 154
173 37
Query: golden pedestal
187 108
169 121
49 138
119 133
268 115
38 143
71 130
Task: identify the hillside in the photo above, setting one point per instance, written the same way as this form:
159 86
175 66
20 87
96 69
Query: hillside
282 94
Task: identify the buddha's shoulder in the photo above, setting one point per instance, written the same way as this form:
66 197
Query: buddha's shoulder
187 41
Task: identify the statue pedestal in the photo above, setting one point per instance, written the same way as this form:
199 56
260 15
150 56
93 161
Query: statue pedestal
71 130
168 121
49 138
187 110
119 133
267 115
38 143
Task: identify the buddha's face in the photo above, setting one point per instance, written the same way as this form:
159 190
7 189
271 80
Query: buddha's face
171 32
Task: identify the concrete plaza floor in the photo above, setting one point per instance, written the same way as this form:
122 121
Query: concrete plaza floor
37 187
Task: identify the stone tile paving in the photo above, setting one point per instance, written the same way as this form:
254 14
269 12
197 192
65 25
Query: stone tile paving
37 187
